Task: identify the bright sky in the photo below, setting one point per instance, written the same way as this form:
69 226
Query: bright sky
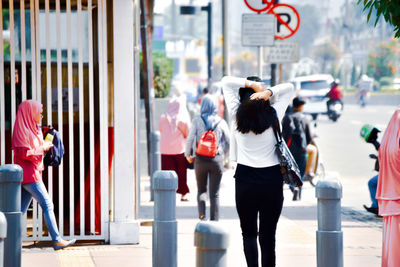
161 4
334 5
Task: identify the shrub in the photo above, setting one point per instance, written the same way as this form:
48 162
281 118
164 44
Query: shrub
162 68
385 81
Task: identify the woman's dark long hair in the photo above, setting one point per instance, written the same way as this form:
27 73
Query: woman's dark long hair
253 115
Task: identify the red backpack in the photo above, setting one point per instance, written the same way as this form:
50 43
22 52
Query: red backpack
208 143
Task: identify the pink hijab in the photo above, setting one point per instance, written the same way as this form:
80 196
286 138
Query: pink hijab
177 112
26 132
389 161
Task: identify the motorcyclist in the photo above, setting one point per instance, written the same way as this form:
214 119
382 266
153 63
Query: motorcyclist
370 134
364 86
334 94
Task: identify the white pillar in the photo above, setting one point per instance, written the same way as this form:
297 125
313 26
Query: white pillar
124 229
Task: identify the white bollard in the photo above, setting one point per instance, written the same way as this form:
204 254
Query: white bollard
3 235
155 159
10 205
165 225
211 241
329 234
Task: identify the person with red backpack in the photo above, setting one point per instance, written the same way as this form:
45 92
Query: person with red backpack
207 143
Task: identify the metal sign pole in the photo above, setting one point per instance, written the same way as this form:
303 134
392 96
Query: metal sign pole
260 61
273 66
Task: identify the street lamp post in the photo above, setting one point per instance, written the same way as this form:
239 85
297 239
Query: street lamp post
192 10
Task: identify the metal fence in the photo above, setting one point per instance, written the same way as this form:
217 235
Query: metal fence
56 52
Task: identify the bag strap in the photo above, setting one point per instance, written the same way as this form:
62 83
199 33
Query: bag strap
277 130
205 124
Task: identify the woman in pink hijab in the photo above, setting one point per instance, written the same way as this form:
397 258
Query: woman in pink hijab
29 148
388 191
174 127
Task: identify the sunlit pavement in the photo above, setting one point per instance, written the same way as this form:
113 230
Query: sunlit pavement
345 156
295 239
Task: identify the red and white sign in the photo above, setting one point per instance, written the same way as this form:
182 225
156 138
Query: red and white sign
259 5
288 20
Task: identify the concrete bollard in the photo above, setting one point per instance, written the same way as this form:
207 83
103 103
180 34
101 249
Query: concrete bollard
329 234
211 241
165 225
10 205
3 235
155 159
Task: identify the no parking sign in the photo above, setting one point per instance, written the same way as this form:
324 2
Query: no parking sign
288 20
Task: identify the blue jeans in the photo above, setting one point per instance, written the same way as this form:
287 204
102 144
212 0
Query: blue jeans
372 184
38 191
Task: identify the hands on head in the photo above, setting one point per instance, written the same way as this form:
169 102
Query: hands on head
261 91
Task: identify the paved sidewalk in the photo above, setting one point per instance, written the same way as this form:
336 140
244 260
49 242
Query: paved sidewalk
295 244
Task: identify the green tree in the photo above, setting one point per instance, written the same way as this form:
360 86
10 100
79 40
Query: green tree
389 9
354 75
163 68
327 54
381 61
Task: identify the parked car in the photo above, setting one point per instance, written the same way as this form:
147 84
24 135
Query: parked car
313 88
396 83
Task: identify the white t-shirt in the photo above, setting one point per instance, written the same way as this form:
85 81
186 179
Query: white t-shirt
249 149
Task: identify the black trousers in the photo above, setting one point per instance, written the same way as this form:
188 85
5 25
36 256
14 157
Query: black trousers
208 169
264 201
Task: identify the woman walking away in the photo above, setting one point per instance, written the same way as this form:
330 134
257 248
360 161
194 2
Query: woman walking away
207 165
174 128
259 182
388 191
29 148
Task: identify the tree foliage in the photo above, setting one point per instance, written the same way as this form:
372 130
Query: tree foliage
163 68
381 61
388 9
327 54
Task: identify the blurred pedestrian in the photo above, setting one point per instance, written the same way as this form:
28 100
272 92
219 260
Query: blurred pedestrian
208 168
203 93
259 181
297 133
174 128
364 86
388 191
29 149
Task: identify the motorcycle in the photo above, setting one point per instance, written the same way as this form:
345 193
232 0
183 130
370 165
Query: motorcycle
335 108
